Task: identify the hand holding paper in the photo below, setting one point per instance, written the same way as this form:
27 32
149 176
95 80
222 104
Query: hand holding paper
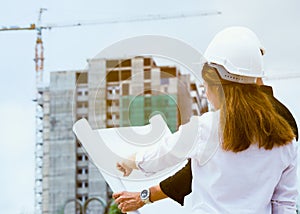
128 201
127 165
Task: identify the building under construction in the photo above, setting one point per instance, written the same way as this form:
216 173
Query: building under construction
110 93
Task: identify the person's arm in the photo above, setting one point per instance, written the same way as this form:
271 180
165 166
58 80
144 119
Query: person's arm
173 150
130 201
179 185
285 194
175 187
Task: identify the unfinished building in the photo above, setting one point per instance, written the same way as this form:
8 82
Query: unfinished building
110 93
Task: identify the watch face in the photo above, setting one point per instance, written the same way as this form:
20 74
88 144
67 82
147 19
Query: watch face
144 194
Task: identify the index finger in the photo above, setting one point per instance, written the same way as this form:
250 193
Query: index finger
117 195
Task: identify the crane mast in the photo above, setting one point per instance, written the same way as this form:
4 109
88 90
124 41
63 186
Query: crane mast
39 60
39 51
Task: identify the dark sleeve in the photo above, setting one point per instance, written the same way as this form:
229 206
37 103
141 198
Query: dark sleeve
282 110
178 186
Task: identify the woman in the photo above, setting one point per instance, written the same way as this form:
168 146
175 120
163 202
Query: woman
238 177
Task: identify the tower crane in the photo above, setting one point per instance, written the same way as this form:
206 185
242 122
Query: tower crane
39 48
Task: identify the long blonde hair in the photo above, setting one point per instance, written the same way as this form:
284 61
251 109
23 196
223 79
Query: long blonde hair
247 115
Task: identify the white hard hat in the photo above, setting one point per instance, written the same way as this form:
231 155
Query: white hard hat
238 52
246 31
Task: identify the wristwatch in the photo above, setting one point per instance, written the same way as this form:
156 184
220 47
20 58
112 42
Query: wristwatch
145 196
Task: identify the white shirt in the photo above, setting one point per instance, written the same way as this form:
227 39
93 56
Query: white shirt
255 181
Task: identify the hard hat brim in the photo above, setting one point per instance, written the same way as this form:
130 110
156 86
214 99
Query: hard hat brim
225 75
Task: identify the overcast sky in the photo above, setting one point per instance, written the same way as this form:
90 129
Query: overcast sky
276 22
